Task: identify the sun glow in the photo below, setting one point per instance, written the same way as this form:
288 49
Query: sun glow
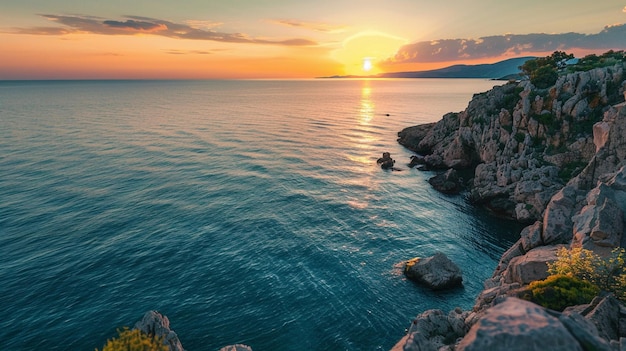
359 53
367 64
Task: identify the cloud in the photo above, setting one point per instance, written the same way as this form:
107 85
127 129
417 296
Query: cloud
141 25
611 37
188 52
318 27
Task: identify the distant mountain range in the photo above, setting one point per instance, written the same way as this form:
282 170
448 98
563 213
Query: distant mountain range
507 69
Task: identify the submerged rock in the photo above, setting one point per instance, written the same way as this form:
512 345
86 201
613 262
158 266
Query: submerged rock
436 272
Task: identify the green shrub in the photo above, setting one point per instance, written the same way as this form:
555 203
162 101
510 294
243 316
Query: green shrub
520 137
559 291
607 273
546 119
134 340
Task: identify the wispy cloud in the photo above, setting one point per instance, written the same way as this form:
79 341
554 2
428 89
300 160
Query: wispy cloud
131 25
191 52
318 27
611 37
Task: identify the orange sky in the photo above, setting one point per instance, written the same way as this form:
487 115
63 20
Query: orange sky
195 40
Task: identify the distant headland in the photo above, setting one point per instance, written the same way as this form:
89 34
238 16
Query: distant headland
503 70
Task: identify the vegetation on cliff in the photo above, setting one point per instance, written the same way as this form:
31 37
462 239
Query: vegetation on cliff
134 340
607 273
559 291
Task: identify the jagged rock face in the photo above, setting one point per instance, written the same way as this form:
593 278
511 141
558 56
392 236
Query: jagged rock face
532 266
154 323
448 182
434 329
589 212
518 325
526 142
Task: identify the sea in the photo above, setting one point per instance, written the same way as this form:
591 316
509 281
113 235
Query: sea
246 211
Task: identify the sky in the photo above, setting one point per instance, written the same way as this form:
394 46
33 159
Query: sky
262 39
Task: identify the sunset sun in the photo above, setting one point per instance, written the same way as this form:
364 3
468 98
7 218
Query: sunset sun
367 64
361 52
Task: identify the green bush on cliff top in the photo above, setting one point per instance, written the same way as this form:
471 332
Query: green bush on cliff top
134 340
543 71
607 273
559 291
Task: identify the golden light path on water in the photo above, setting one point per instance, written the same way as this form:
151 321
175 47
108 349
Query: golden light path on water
364 141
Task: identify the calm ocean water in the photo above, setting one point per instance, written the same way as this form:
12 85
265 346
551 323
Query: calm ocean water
246 211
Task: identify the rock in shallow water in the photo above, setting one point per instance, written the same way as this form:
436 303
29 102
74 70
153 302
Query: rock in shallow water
436 272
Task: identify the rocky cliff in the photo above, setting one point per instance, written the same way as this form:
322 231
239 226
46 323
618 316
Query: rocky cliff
554 158
523 143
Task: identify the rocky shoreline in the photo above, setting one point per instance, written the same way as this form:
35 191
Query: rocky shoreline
555 159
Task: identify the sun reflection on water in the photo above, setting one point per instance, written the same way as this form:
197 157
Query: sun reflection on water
367 105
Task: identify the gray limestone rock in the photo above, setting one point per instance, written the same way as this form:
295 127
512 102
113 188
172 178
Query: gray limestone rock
605 316
520 325
436 272
585 332
532 266
448 182
236 347
531 236
154 323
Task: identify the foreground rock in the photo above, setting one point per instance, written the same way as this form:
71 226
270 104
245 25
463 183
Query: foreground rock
437 272
154 323
515 324
518 325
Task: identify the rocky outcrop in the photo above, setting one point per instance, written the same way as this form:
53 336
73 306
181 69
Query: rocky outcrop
518 325
156 324
557 159
524 143
386 162
448 182
437 272
433 330
515 324
236 347
589 212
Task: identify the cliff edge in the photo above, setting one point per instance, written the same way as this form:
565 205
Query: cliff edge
555 158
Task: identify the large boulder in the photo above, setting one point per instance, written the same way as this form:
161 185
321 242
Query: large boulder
436 272
411 137
433 330
532 266
514 325
599 225
386 162
448 182
154 323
